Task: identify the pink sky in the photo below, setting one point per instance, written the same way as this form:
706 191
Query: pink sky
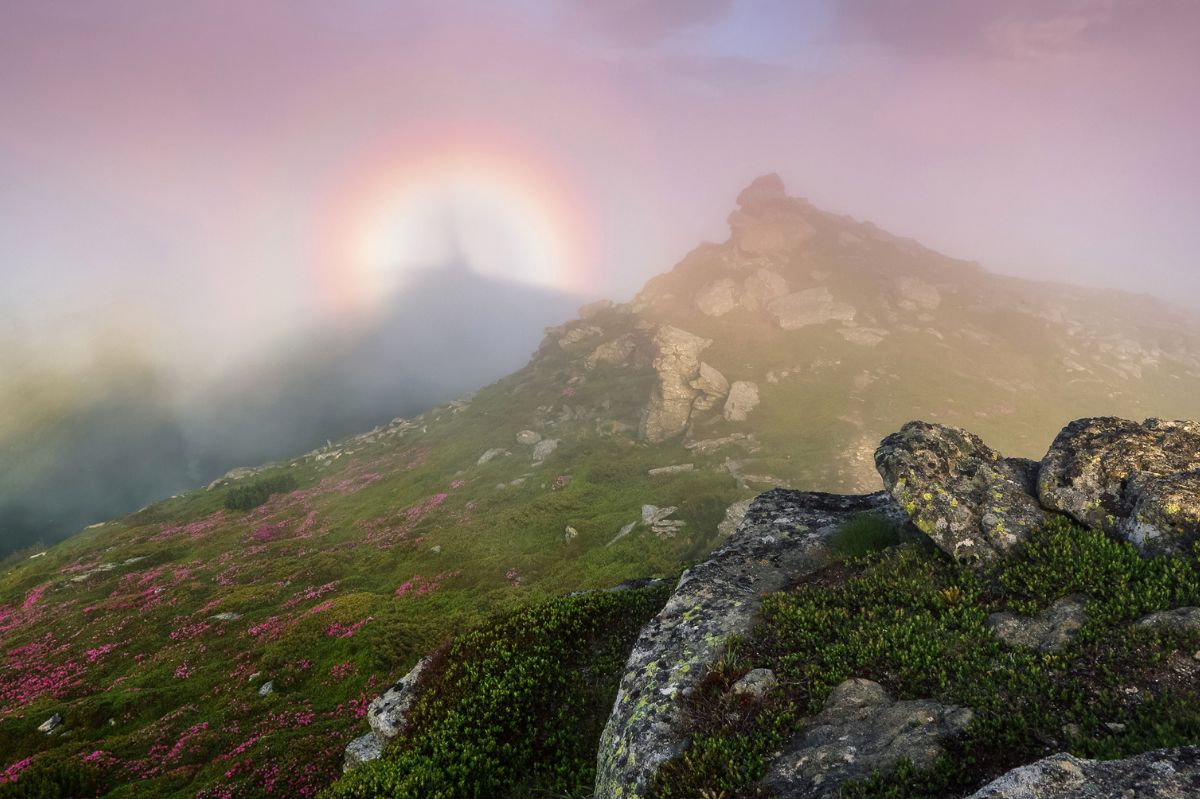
189 162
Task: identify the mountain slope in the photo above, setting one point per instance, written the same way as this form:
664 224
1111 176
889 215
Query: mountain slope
779 357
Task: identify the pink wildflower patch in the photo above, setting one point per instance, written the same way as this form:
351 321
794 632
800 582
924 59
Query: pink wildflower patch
339 630
419 586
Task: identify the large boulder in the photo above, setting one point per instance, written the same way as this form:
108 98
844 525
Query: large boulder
677 362
862 730
1049 631
712 385
767 221
1140 482
760 288
386 716
717 298
1161 774
782 538
743 398
813 306
975 504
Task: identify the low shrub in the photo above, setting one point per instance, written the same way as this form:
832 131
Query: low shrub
249 497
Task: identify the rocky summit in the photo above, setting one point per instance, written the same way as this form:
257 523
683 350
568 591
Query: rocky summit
234 640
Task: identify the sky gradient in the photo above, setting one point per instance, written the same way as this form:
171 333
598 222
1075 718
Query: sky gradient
220 172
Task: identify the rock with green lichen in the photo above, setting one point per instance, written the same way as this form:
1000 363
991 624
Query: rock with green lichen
1164 773
783 537
1138 481
973 503
1048 631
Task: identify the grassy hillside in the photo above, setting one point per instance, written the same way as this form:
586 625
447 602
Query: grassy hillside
153 634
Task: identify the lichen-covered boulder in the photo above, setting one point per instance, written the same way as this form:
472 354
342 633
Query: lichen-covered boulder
768 222
861 730
743 398
386 716
717 298
760 288
1048 631
783 537
975 504
1186 619
1138 481
1161 774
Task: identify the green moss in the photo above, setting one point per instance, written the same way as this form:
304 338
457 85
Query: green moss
864 534
515 708
915 622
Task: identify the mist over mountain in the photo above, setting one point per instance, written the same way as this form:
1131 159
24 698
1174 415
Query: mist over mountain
115 437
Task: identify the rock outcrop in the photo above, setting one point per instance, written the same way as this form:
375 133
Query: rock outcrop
743 398
813 306
386 716
861 730
783 537
677 362
1140 482
1186 619
718 298
973 503
1049 631
761 288
768 222
1161 774
713 387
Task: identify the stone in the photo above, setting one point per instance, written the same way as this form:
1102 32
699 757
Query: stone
51 725
528 438
388 712
362 750
491 455
756 684
861 730
1049 631
733 518
1180 619
226 616
678 468
743 398
1162 774
267 688
624 531
577 335
863 336
544 449
677 363
618 352
1139 482
783 537
570 534
973 503
813 306
712 385
761 288
717 298
768 222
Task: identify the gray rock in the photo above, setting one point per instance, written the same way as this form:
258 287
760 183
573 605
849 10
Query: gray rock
576 335
756 684
1162 774
491 455
1049 631
743 398
544 449
973 503
226 616
677 362
768 222
712 386
1181 619
362 750
761 288
388 712
860 730
717 298
618 352
51 725
528 438
1140 482
676 469
267 688
570 534
813 306
916 294
733 517
783 537
624 531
